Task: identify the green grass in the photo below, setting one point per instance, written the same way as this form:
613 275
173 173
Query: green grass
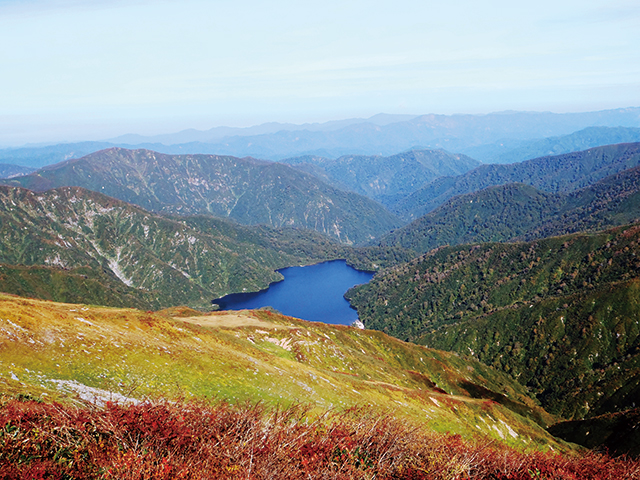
279 360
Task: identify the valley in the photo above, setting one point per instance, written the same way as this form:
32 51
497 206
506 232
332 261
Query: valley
509 291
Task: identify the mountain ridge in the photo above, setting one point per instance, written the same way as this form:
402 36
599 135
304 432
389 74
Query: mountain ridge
514 212
513 151
379 135
247 190
385 178
552 174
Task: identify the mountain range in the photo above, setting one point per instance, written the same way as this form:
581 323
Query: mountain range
516 211
394 134
493 138
553 174
246 190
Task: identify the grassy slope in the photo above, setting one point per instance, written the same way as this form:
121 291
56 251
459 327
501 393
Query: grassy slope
55 350
560 314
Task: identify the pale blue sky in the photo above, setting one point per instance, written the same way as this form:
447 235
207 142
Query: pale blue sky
75 69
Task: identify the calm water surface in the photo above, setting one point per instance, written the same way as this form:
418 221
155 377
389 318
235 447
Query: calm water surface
312 293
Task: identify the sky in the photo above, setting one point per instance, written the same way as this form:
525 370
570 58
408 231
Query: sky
75 70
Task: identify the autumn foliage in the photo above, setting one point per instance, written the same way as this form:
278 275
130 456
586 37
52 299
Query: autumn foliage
203 441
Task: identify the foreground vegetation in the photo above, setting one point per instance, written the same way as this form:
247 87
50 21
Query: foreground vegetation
67 352
202 441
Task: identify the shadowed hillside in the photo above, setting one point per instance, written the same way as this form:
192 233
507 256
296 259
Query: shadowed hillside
520 212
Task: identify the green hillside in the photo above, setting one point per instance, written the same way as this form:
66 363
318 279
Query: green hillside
246 190
74 351
553 174
560 314
518 211
71 244
494 214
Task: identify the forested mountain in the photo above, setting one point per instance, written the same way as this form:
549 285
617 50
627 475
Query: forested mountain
511 150
555 174
561 315
246 190
520 212
71 244
386 179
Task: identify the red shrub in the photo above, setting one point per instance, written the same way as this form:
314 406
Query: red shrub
157 441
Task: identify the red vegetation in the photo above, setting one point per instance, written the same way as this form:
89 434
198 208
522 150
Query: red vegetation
199 441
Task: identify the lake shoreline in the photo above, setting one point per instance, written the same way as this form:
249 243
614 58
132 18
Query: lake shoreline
314 292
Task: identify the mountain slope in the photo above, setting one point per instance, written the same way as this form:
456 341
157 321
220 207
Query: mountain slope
520 212
246 190
97 249
559 314
558 174
491 215
386 179
66 350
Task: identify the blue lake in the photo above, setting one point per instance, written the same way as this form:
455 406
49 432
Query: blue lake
312 293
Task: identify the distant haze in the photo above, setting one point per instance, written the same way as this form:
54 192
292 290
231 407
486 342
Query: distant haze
80 70
503 137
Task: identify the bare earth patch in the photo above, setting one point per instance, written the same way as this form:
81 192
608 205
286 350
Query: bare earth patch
230 320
